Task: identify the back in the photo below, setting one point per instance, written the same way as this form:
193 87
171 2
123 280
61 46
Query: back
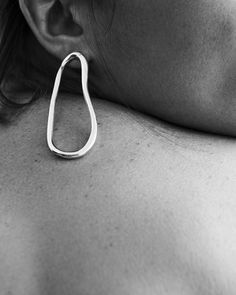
150 210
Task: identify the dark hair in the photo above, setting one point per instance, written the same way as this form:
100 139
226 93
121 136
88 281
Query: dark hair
19 63
13 28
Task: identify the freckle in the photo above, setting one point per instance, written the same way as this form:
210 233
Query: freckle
137 143
131 160
86 196
111 245
6 224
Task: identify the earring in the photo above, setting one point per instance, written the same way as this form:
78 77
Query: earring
51 114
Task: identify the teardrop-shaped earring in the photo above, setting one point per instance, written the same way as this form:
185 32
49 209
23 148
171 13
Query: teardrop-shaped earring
51 114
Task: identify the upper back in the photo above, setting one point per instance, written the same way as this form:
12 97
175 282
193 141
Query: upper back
150 210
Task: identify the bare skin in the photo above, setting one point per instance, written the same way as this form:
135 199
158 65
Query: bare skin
172 59
150 210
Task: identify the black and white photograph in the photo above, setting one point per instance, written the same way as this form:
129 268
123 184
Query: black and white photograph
117 147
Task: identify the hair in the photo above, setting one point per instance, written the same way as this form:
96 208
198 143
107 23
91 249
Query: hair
13 28
19 71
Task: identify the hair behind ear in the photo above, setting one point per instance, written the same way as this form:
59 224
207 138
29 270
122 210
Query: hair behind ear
22 69
16 66
12 31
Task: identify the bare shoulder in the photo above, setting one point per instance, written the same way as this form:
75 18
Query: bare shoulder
150 210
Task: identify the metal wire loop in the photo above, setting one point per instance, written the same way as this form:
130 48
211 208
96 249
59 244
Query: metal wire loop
51 115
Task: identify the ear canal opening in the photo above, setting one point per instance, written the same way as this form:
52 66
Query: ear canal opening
61 22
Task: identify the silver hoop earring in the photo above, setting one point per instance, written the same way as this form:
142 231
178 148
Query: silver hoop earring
51 114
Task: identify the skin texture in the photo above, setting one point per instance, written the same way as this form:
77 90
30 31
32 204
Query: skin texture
171 59
150 210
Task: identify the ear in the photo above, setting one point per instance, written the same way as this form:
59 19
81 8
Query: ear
56 25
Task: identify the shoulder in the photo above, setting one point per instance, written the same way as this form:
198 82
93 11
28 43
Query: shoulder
147 210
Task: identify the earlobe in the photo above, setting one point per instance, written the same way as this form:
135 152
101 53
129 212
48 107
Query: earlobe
54 26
